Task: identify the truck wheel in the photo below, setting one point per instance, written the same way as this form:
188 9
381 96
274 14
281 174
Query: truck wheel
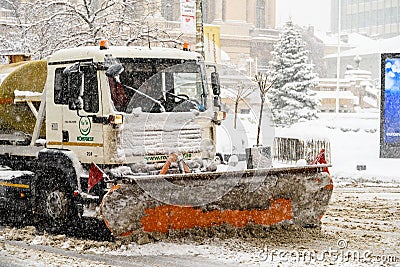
56 205
55 208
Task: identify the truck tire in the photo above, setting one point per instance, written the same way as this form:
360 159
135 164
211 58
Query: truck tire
54 210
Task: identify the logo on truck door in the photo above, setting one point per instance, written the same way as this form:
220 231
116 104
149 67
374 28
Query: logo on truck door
84 127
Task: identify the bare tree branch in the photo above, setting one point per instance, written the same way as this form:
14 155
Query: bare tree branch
241 93
263 85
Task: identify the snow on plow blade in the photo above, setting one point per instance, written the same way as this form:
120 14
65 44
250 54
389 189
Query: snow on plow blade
297 195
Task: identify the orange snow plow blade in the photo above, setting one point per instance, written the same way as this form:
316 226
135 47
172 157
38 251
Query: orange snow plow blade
294 195
163 218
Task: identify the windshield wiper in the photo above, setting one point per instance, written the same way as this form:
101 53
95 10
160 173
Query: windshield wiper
147 96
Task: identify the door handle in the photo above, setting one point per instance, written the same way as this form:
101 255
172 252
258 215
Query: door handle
65 136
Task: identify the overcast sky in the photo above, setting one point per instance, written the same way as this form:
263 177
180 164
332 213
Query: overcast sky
305 12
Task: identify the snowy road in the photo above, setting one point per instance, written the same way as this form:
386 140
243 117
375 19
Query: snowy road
21 254
363 220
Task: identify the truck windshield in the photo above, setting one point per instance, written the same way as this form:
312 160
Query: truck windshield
155 85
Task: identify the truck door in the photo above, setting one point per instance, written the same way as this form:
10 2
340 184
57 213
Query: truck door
82 128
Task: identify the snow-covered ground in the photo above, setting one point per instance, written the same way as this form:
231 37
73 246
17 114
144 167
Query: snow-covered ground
354 139
363 217
360 221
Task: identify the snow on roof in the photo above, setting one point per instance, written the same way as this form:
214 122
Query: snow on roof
357 72
372 90
332 94
14 53
332 82
370 101
353 39
224 56
94 52
7 174
379 46
19 93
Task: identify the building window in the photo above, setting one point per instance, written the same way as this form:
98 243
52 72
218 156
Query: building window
206 11
381 17
5 4
224 3
361 20
260 14
167 9
368 16
393 15
373 18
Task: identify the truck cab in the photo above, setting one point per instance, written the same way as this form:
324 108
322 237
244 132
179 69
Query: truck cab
131 106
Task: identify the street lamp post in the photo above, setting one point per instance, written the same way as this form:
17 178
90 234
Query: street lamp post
168 12
338 57
199 28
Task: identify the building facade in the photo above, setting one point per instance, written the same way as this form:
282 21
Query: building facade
6 13
356 90
247 29
374 18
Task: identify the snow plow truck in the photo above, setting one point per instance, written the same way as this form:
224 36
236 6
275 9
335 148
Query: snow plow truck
127 135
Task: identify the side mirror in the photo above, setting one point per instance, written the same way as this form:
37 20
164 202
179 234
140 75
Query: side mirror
114 71
215 83
217 101
74 86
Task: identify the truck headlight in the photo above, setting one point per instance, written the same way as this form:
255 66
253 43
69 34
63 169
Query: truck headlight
115 119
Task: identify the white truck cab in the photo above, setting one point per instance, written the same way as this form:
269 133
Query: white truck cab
131 105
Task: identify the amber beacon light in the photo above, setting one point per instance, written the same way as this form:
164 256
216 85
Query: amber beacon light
103 44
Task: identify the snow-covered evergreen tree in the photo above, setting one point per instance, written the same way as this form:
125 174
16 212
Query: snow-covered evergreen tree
292 78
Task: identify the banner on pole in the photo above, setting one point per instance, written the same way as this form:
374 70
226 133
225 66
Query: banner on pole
212 44
188 16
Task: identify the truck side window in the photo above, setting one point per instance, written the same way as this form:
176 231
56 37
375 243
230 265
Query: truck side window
90 94
60 88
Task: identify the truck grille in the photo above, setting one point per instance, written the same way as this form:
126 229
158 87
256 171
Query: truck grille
157 137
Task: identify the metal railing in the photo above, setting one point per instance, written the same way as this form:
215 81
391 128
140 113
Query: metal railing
290 150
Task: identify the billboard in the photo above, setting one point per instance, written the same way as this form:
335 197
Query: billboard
390 106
